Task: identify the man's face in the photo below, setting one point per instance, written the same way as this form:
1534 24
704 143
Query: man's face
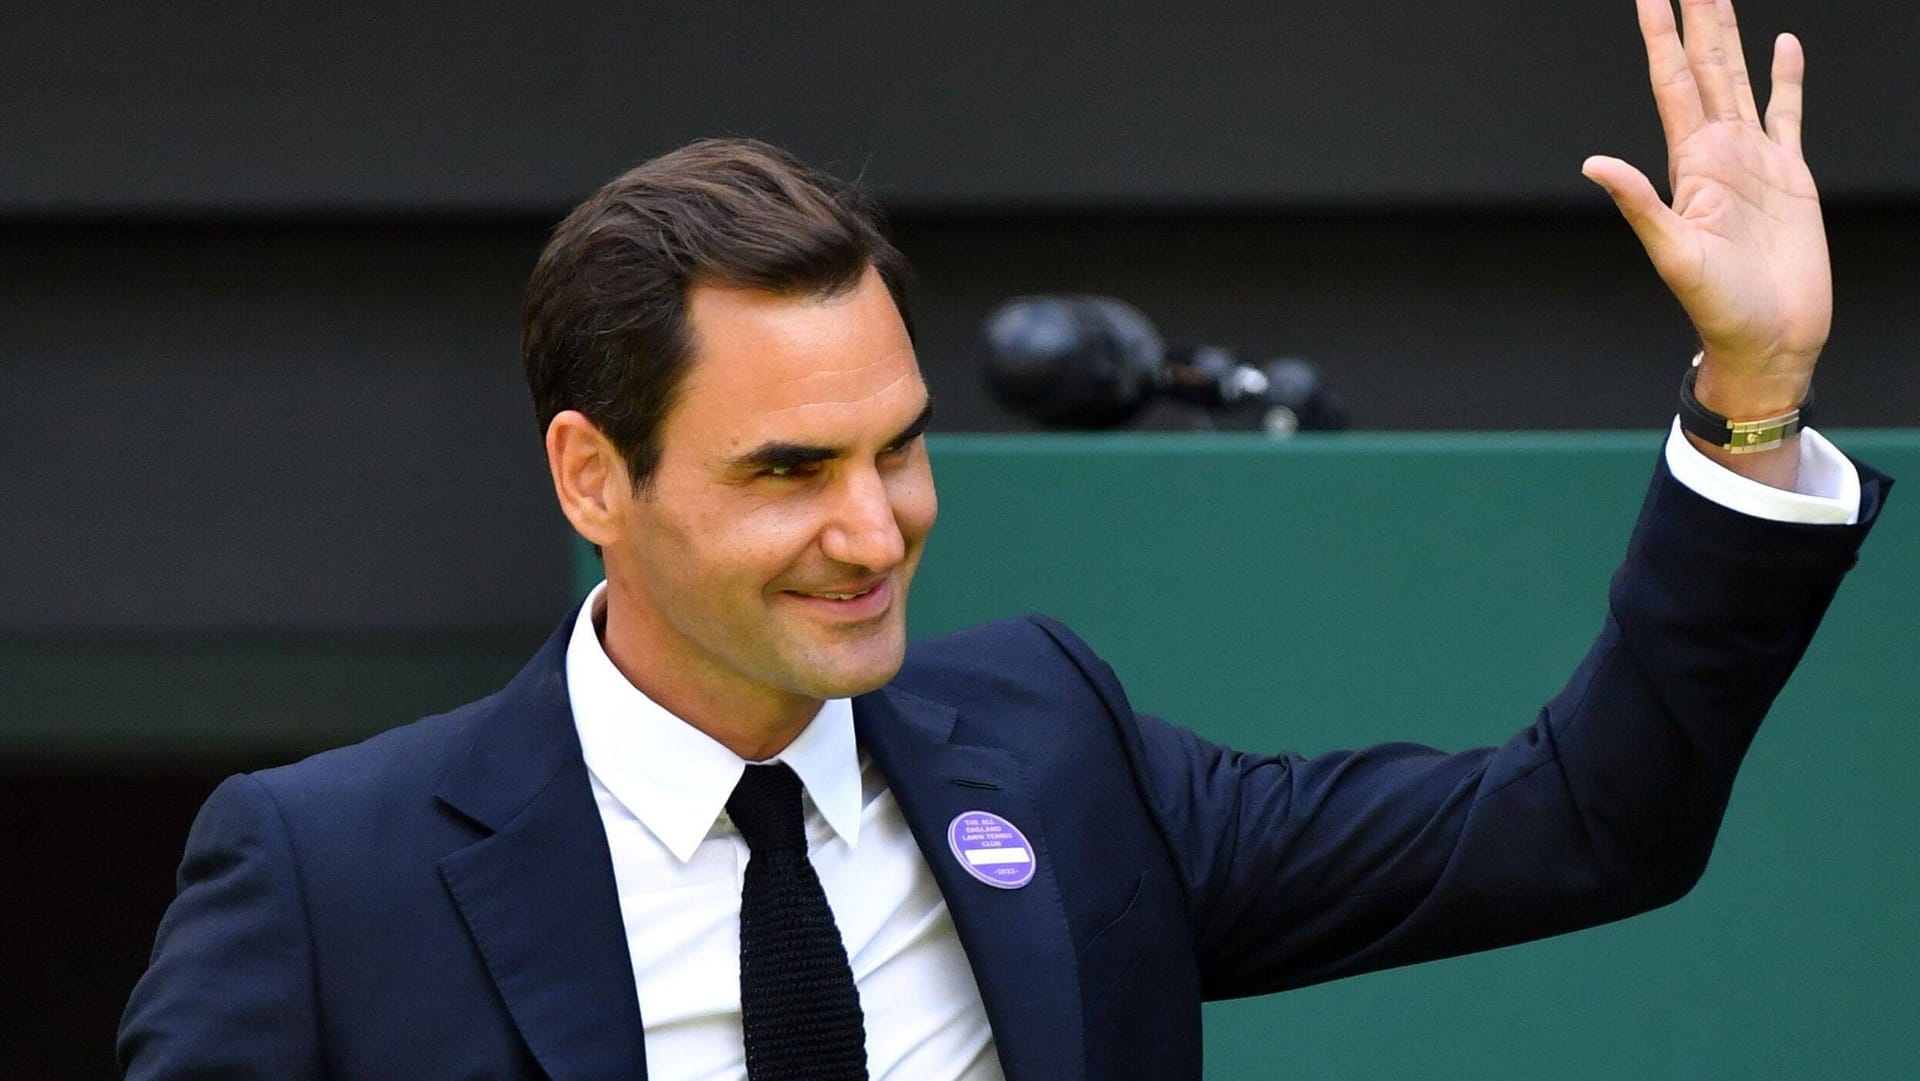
766 567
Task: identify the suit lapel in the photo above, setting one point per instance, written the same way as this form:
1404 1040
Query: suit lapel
538 894
1016 940
539 897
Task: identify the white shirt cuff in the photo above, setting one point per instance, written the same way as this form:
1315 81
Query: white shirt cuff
1826 492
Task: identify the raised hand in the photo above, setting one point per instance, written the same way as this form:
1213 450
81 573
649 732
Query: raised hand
1743 246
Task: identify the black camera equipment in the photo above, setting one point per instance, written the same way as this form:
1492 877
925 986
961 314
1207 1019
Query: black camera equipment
1092 362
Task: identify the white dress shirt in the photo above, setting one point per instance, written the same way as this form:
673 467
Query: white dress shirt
662 786
1827 491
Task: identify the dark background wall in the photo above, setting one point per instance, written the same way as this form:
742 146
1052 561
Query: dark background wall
267 477
491 107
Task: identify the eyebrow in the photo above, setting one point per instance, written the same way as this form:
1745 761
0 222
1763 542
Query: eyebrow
779 455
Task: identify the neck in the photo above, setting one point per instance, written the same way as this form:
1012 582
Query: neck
753 721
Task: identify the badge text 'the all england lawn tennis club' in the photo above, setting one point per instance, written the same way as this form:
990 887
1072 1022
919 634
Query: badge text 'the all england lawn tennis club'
991 849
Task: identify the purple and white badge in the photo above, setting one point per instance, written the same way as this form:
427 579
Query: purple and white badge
991 849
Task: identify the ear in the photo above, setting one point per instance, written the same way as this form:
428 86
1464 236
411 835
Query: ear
589 476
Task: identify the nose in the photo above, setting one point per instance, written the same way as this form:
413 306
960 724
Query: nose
863 530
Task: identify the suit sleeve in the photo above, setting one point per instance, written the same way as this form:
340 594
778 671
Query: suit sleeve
229 993
1305 869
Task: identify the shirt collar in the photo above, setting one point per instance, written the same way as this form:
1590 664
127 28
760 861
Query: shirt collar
674 777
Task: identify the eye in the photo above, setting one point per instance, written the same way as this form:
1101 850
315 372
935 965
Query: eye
794 471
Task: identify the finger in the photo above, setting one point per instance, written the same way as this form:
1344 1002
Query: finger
1737 63
1700 27
1674 94
1660 230
1784 103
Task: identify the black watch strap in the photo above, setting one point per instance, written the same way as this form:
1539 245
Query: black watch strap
1738 436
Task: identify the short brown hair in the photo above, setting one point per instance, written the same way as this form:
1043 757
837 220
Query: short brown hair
604 326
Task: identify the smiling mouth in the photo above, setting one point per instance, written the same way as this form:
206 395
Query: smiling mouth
856 604
840 596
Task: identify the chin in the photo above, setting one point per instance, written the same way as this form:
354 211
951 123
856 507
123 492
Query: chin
869 670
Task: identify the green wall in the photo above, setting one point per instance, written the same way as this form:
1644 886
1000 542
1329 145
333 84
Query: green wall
1337 591
1333 591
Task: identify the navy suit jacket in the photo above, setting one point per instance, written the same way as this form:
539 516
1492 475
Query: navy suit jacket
439 901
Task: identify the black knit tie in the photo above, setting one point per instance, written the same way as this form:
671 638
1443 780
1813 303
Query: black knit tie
798 1006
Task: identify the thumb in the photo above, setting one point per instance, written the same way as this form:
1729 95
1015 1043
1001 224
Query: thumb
1660 230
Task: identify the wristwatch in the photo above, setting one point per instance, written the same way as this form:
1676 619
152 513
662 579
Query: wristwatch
1738 436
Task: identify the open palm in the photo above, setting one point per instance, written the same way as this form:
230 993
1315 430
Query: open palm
1743 245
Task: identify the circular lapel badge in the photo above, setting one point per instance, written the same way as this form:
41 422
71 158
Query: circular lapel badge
991 849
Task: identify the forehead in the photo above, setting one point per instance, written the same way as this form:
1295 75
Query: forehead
829 370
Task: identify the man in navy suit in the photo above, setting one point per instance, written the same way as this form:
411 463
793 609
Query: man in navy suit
1027 878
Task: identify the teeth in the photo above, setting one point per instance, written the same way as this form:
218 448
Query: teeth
843 596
